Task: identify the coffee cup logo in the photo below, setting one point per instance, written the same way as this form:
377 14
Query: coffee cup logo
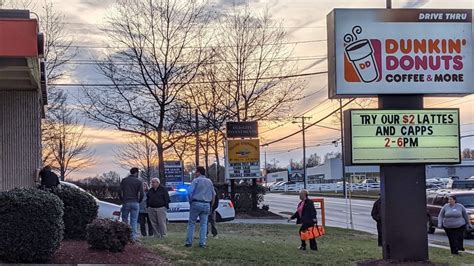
361 55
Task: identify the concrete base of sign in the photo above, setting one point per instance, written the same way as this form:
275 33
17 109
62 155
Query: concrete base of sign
403 192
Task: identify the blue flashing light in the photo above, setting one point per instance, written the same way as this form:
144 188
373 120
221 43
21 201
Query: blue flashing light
182 190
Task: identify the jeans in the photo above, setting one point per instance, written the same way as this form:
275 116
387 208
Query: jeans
201 210
132 209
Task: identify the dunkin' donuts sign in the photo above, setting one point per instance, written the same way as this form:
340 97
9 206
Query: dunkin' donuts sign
400 51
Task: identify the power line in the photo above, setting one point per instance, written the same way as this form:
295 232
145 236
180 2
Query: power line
184 83
190 47
285 123
123 63
306 127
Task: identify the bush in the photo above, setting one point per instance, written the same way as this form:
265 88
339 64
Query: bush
106 234
80 209
243 195
31 225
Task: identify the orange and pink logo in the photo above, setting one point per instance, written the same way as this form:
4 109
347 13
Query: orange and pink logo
362 58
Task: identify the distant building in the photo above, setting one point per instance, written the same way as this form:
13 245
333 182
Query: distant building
331 171
277 177
463 170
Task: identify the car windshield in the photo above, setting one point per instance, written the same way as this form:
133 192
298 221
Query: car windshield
179 197
466 200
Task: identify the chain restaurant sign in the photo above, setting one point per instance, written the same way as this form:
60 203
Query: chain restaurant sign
400 51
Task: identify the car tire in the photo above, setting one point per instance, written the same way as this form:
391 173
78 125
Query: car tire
218 217
430 229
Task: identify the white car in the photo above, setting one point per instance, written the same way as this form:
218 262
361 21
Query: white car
106 209
179 208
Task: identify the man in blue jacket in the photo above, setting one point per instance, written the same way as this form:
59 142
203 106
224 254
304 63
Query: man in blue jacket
201 198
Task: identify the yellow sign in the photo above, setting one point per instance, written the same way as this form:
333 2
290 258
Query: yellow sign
405 136
244 150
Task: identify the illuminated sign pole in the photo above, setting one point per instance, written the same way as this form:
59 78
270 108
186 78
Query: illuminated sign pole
400 55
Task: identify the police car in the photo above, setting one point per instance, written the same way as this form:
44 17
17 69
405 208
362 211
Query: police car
179 207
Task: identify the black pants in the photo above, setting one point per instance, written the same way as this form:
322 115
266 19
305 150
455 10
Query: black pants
379 233
312 242
456 238
143 219
212 221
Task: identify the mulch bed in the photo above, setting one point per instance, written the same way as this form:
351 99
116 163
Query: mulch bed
78 252
397 262
259 214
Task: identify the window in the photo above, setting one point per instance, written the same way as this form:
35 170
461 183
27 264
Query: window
181 197
440 200
430 198
467 200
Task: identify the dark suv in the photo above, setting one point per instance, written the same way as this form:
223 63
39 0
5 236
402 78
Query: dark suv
435 200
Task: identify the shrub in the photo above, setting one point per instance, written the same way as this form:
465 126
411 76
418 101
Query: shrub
31 225
243 195
106 234
80 209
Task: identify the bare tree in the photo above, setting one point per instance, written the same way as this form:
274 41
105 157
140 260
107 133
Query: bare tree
254 56
211 102
68 148
139 152
164 50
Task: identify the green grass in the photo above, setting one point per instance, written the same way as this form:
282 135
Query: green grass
277 245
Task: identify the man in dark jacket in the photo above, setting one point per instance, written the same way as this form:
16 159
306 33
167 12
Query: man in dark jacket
377 216
157 202
131 193
212 216
306 216
48 178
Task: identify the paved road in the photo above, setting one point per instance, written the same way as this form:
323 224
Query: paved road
336 214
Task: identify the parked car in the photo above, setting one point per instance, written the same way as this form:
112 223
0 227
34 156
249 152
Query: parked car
106 209
435 200
179 208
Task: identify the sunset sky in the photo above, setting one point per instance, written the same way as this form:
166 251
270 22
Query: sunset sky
305 24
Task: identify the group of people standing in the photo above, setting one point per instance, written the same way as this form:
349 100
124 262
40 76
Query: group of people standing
144 204
148 206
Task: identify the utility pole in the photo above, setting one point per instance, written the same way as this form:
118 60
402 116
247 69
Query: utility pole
197 137
344 183
304 147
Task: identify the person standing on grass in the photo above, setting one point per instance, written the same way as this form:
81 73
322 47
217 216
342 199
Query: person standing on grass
201 195
453 219
131 194
306 216
212 216
143 218
158 200
377 216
